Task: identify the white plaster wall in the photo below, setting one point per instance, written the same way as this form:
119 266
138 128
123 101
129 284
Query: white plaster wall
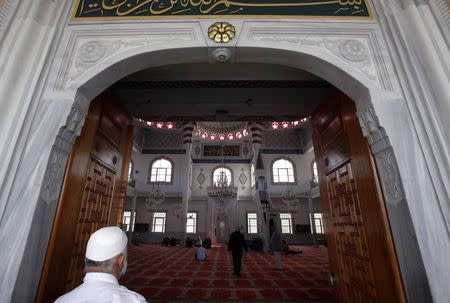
201 190
303 172
302 214
245 207
142 164
201 207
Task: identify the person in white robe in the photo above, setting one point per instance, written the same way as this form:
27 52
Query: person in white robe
105 264
200 254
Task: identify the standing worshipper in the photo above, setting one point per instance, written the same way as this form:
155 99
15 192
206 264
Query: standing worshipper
277 247
235 245
106 262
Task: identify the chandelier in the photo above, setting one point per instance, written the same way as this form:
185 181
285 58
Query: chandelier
222 188
290 198
155 198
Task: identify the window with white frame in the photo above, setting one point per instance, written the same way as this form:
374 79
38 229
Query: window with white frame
318 223
315 172
252 175
159 222
130 171
161 171
283 171
191 223
252 223
221 172
128 221
286 223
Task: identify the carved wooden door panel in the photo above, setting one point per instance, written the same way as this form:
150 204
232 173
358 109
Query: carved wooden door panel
363 260
96 204
92 194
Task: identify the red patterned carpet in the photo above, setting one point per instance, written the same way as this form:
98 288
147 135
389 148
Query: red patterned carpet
170 274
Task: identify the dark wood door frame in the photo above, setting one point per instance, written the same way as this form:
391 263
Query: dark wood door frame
106 139
353 207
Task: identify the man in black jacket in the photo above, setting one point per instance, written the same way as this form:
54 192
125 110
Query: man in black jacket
235 245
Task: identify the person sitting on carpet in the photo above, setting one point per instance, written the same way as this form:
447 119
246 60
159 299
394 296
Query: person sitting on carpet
201 255
294 252
207 243
165 241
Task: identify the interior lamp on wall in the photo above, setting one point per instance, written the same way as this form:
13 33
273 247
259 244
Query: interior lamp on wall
290 198
178 210
155 198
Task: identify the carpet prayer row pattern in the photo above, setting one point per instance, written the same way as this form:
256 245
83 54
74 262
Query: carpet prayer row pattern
170 274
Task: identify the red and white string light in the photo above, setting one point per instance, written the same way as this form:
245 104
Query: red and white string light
287 124
159 124
228 136
222 136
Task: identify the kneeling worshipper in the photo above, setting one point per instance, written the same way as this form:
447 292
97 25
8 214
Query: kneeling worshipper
201 255
105 264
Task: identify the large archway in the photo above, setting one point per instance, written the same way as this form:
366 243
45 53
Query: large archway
96 78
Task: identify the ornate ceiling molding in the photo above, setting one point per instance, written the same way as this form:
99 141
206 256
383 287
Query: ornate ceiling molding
90 48
358 48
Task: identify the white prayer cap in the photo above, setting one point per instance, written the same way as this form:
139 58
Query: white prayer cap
106 243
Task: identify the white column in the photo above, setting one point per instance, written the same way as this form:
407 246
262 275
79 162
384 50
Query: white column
421 63
211 220
188 128
313 225
132 217
27 215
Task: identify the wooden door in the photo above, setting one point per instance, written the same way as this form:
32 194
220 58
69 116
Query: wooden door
363 260
92 194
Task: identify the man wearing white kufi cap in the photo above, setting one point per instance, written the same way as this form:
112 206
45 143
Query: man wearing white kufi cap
106 262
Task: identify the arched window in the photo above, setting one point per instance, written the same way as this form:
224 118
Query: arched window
315 172
222 173
252 175
130 171
283 171
161 171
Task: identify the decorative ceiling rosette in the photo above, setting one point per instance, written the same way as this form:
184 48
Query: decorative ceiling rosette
221 32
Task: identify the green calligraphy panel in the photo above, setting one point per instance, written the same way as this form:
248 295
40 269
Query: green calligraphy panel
118 9
218 151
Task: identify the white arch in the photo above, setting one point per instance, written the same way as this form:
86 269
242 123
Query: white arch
72 101
341 74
